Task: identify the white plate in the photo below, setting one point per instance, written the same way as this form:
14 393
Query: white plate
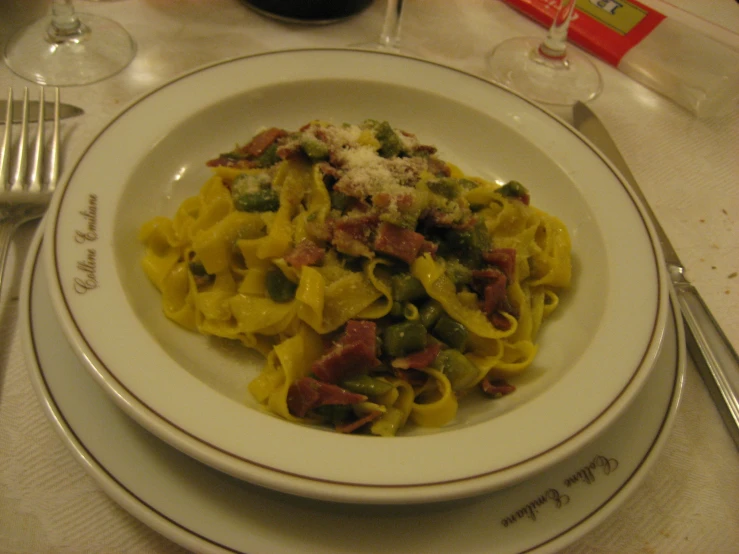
191 391
208 511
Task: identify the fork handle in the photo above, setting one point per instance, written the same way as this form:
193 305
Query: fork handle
8 225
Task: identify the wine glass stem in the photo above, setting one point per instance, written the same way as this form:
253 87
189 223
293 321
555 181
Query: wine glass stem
65 25
390 35
555 44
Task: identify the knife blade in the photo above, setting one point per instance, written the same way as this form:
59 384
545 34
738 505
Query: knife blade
65 111
714 356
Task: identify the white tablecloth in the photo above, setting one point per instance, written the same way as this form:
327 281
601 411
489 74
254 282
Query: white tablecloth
688 168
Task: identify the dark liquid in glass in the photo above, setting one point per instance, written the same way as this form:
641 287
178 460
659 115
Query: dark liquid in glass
309 11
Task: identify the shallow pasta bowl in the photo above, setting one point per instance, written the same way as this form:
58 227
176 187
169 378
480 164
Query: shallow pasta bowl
190 390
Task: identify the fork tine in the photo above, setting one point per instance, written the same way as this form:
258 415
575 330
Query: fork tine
7 142
21 163
54 153
37 157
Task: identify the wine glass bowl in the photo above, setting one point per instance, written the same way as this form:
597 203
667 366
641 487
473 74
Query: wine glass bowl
545 70
69 48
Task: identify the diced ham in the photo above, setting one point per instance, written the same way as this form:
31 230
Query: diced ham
398 242
306 252
307 394
424 149
491 283
360 330
262 141
354 425
352 234
496 387
226 160
438 168
355 352
418 360
502 258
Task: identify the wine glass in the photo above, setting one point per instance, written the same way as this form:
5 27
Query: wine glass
547 71
69 48
389 39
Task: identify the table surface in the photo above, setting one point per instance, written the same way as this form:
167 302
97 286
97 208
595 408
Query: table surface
688 168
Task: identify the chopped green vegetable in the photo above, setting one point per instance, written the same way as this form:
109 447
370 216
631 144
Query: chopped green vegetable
339 200
401 339
335 413
461 372
254 193
407 288
269 157
364 384
430 313
279 287
450 332
458 274
514 189
447 187
314 149
390 143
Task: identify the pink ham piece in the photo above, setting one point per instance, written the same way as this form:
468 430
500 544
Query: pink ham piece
398 242
355 352
307 394
418 360
496 388
306 252
502 258
262 141
493 284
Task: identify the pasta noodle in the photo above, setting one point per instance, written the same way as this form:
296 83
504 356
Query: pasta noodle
381 283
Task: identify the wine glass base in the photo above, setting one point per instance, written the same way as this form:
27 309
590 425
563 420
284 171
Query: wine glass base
86 58
517 64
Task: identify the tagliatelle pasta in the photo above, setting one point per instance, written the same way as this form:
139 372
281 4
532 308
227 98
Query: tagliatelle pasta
380 282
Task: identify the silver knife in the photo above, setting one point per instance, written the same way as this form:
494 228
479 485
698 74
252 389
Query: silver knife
65 111
714 356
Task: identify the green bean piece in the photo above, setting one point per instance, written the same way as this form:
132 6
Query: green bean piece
335 413
450 332
366 385
269 157
448 187
468 245
513 189
279 287
314 149
407 288
265 200
458 273
403 338
390 143
430 313
339 200
410 312
396 310
389 423
461 372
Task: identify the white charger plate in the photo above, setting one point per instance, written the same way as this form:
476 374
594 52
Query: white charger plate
209 512
594 356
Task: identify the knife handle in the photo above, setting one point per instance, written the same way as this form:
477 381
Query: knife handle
713 354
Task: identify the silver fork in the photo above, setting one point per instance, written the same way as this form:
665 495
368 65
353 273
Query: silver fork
27 179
